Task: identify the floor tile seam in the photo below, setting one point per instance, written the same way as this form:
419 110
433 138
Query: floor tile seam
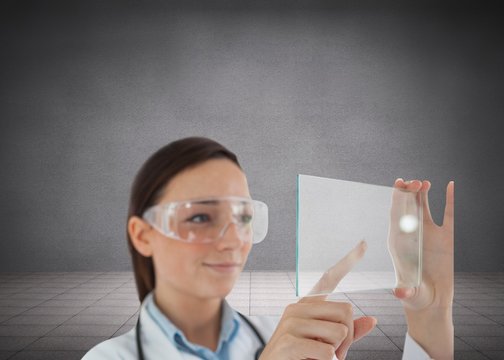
21 291
483 315
86 307
388 337
125 282
482 354
472 347
65 273
124 323
11 316
21 350
120 327
489 318
47 332
64 291
33 307
14 354
131 317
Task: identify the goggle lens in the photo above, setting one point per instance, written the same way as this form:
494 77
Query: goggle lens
203 221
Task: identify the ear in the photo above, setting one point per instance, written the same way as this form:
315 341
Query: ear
141 236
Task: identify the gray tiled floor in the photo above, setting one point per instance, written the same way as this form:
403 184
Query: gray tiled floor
62 315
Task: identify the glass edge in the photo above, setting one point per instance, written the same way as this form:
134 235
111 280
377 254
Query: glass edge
297 235
347 181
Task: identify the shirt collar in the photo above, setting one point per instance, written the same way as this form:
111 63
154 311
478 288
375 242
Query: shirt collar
230 323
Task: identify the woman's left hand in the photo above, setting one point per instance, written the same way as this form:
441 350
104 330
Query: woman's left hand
428 308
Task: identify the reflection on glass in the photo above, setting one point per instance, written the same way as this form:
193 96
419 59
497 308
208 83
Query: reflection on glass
372 231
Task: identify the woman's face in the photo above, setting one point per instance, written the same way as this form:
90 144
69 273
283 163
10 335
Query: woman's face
191 268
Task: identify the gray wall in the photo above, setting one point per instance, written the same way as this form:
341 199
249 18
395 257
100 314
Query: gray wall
363 93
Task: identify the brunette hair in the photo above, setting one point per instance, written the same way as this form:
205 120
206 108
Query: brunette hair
150 182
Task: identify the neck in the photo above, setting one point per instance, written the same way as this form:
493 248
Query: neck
198 318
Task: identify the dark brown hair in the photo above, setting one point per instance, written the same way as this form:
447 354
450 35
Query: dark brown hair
150 182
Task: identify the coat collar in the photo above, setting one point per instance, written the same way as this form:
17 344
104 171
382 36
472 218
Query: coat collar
155 344
159 334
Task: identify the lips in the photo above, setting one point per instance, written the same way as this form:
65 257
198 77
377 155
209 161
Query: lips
225 267
228 264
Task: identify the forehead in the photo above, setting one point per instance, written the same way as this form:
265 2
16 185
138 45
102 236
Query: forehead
215 177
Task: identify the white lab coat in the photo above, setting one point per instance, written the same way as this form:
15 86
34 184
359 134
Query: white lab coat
156 345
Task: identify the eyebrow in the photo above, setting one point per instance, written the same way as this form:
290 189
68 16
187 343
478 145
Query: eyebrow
214 202
207 202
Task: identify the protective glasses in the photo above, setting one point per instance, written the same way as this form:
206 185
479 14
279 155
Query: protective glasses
206 220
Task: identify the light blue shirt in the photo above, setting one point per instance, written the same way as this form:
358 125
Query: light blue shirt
230 324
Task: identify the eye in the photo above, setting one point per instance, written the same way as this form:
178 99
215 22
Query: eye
199 218
246 219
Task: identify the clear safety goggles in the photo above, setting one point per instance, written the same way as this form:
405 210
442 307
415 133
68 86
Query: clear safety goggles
206 220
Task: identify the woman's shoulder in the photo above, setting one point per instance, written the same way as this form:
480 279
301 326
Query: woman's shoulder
119 347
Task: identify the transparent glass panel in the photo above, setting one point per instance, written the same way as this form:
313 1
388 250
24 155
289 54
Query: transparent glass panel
334 216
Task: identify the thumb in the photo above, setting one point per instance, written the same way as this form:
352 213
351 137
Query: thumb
404 293
363 326
416 298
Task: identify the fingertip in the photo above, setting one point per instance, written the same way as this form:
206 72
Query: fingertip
363 326
450 198
404 293
416 184
450 189
360 249
373 322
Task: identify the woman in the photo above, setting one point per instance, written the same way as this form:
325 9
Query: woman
191 226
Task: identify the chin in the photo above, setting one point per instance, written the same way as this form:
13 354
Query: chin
220 283
221 289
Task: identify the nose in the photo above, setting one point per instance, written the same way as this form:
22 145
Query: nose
230 237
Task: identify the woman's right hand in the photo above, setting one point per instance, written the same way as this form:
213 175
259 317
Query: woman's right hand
314 328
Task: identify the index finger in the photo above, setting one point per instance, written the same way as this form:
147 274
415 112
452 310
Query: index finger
331 278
